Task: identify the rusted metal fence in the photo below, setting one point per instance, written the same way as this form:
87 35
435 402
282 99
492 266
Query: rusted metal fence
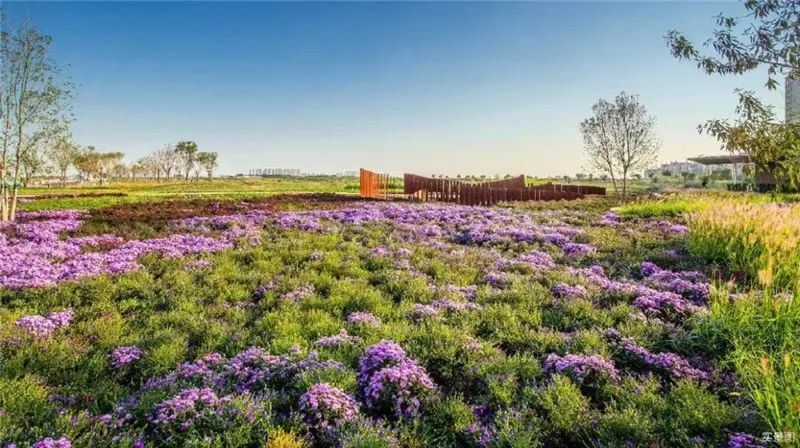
374 185
492 192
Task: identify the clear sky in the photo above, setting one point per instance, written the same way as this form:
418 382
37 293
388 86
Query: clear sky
450 88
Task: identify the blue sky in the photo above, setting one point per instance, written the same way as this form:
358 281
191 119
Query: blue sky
452 88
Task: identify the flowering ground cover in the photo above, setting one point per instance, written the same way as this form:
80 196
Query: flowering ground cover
367 324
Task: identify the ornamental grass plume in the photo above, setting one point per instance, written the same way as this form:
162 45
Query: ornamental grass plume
759 240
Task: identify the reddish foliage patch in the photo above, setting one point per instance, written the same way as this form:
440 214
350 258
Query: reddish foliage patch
97 194
150 219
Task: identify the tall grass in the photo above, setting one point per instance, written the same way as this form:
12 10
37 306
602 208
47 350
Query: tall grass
761 241
762 333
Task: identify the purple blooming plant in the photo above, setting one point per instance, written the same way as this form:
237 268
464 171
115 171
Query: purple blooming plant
497 279
670 364
42 327
185 408
49 442
420 311
744 440
665 305
582 368
574 250
123 356
298 294
399 389
375 357
338 340
689 284
363 318
565 291
324 406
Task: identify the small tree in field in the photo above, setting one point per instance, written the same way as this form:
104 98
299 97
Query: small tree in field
207 160
63 155
188 154
620 138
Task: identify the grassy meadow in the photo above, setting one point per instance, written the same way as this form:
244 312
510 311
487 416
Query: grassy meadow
233 314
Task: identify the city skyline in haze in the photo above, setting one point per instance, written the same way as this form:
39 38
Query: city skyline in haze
446 88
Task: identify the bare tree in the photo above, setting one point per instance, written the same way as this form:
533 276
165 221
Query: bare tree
35 103
167 159
620 138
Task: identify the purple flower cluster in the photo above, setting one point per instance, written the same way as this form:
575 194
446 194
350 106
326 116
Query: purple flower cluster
664 305
316 255
668 363
689 284
610 219
670 228
582 368
43 327
497 279
391 381
744 440
565 291
37 256
362 317
49 442
577 249
537 259
123 356
380 251
324 406
399 388
421 311
298 294
186 407
375 357
338 340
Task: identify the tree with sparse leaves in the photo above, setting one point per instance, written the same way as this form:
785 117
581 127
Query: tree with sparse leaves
767 35
188 154
207 160
63 155
620 139
34 106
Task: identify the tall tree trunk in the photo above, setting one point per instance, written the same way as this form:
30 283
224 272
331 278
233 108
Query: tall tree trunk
12 214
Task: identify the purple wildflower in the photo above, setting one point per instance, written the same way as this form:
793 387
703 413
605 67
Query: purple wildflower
375 357
324 406
361 317
123 356
564 291
399 388
49 442
581 367
338 340
577 249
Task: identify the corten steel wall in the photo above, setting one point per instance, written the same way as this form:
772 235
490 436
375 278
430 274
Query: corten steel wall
373 185
489 193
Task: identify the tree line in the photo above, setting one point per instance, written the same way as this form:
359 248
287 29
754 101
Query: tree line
35 117
183 160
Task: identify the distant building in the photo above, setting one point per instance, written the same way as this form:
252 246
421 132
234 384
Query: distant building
676 169
792 100
287 172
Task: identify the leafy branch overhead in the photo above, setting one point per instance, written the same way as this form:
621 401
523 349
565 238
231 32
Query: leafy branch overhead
767 34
